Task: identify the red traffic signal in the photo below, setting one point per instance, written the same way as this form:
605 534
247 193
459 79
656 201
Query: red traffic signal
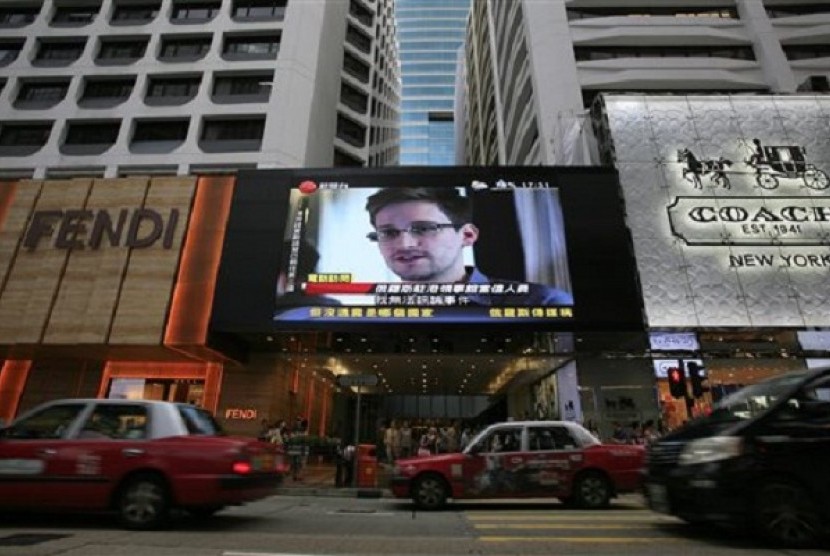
677 382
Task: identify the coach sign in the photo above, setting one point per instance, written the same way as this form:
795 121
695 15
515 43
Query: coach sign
78 229
728 200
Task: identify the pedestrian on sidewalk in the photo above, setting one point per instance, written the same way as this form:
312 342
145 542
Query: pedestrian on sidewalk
299 448
344 464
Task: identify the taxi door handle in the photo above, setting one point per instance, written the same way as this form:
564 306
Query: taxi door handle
132 452
47 452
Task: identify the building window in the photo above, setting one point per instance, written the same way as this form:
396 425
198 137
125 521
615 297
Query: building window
9 51
17 134
42 92
252 46
361 13
172 90
350 131
18 16
358 39
184 48
249 129
92 133
106 91
74 15
194 12
122 49
173 86
259 9
354 98
60 52
720 12
806 51
796 10
593 53
132 14
345 159
242 88
355 67
160 130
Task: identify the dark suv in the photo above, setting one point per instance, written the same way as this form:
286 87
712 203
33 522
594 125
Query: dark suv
761 459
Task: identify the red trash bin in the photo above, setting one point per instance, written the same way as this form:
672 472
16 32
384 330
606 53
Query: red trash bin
367 466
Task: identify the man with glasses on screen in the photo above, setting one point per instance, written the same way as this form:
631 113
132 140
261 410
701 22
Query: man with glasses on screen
422 232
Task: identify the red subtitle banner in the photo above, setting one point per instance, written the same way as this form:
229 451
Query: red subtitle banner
318 288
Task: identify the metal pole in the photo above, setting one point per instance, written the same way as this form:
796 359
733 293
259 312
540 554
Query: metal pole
356 438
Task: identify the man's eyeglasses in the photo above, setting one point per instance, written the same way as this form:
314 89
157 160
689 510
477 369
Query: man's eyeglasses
416 230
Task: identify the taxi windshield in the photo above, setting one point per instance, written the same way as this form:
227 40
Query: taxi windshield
199 422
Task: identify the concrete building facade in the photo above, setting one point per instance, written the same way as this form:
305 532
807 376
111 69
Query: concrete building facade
115 88
639 85
532 68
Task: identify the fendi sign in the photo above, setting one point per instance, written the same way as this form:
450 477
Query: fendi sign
79 229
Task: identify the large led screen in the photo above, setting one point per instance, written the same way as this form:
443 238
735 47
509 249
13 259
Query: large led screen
438 246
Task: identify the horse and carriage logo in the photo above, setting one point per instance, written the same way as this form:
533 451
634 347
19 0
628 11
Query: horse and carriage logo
769 164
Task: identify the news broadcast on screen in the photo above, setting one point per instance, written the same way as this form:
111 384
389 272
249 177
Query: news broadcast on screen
365 248
423 253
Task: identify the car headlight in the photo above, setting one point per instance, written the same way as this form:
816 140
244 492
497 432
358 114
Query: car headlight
707 450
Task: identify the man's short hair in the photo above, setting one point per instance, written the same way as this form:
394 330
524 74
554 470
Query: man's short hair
457 207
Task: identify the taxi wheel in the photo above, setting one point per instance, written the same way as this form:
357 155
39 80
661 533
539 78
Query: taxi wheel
592 490
786 515
143 503
430 492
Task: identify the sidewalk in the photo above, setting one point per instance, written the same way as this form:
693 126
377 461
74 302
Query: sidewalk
317 479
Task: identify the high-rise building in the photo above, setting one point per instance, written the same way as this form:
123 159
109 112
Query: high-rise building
533 67
430 34
715 106
121 87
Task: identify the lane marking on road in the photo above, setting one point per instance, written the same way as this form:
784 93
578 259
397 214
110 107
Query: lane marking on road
598 540
586 514
358 513
236 553
553 526
592 519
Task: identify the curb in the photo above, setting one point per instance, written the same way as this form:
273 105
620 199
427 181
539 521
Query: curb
334 492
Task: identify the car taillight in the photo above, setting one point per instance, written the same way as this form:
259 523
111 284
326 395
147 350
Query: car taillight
242 467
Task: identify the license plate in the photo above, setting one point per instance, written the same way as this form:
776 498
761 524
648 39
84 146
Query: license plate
658 498
263 462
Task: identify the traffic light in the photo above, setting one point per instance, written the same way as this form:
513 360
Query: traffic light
697 378
677 382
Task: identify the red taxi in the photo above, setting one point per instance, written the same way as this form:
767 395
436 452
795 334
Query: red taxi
139 458
531 459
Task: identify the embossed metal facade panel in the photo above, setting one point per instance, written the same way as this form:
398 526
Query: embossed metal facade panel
729 206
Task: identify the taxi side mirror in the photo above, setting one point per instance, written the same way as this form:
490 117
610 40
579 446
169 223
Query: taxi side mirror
474 449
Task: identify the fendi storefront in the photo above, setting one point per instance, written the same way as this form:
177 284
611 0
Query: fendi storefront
106 289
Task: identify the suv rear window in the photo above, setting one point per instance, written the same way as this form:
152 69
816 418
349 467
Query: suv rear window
200 422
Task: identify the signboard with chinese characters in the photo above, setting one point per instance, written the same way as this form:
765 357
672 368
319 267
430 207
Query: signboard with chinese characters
728 201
